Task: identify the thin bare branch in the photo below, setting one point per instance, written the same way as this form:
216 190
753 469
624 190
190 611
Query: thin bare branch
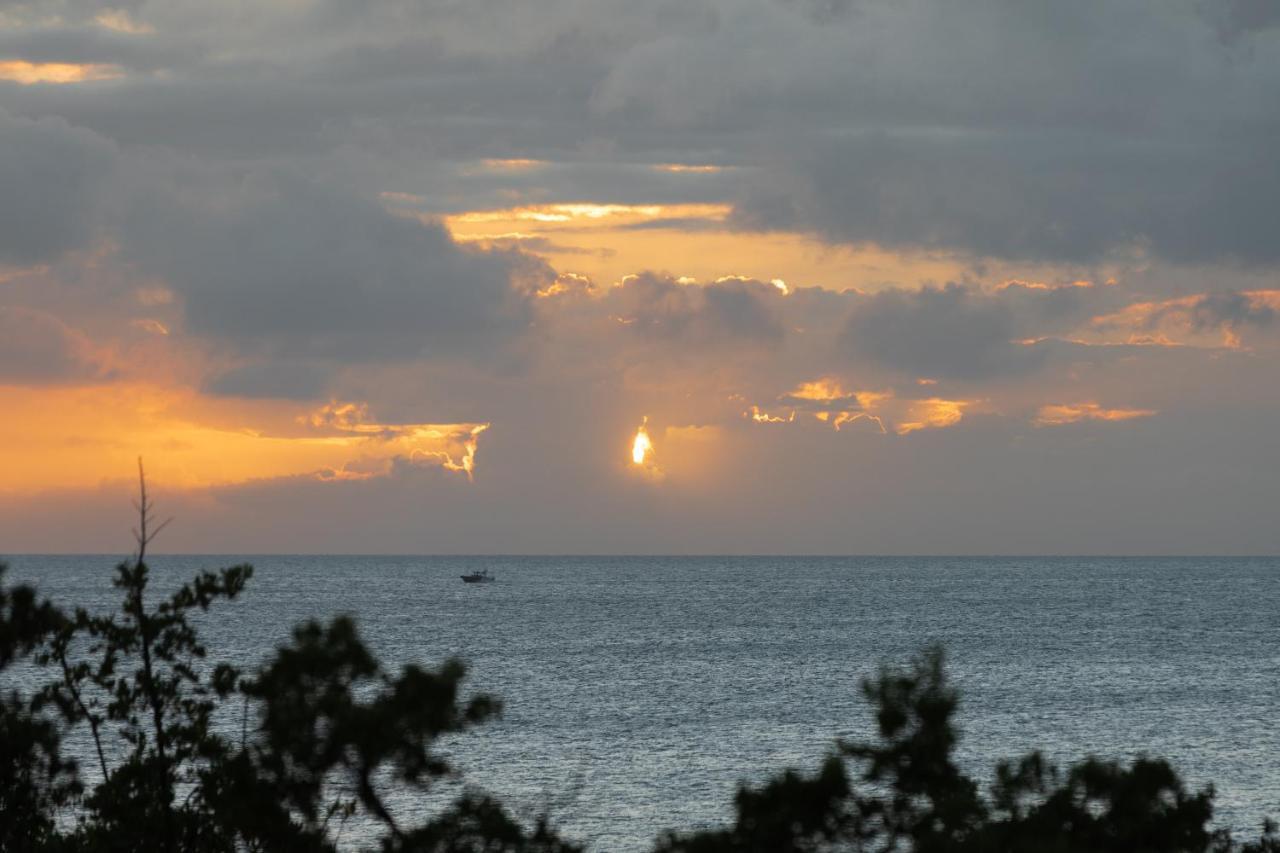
142 534
93 721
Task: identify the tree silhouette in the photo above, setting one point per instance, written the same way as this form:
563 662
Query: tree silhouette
911 796
330 728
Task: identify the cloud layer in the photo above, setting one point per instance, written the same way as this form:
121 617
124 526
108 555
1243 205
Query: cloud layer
881 276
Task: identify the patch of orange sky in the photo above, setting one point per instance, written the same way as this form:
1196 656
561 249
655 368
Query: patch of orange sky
933 413
606 242
83 437
1070 413
31 73
876 407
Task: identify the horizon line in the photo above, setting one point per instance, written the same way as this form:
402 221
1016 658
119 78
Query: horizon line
654 555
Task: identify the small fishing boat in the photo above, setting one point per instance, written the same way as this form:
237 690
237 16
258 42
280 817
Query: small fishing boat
481 576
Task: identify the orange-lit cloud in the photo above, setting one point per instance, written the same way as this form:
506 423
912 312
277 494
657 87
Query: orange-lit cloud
564 284
517 164
32 73
1206 319
616 214
122 22
933 413
763 417
607 241
826 400
417 443
1058 415
824 390
81 437
839 419
466 464
687 168
829 390
1014 284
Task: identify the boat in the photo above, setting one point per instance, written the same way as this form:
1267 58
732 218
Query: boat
481 576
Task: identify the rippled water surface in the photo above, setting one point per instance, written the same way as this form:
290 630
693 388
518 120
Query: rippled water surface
639 691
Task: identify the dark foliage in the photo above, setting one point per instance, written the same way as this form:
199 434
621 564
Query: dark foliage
331 730
35 781
911 796
331 733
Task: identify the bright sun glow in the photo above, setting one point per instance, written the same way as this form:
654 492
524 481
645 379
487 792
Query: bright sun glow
642 447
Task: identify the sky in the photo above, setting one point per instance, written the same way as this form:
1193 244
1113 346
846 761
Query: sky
641 276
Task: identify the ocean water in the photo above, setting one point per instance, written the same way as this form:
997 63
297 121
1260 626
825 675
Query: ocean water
639 691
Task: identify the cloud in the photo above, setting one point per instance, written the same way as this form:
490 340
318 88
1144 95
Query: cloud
450 446
932 413
298 379
1070 413
1039 194
79 436
827 400
821 11
948 331
38 348
1186 320
1105 128
58 73
727 312
285 266
464 214
50 177
1237 18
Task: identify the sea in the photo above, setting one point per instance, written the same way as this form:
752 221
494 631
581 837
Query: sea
639 692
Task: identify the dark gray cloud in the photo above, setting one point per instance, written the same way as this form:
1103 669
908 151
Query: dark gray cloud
821 11
1037 197
265 261
1235 18
1230 309
1025 131
732 311
90 44
947 332
284 379
284 265
50 177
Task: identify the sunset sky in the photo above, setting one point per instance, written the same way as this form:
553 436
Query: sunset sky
589 276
